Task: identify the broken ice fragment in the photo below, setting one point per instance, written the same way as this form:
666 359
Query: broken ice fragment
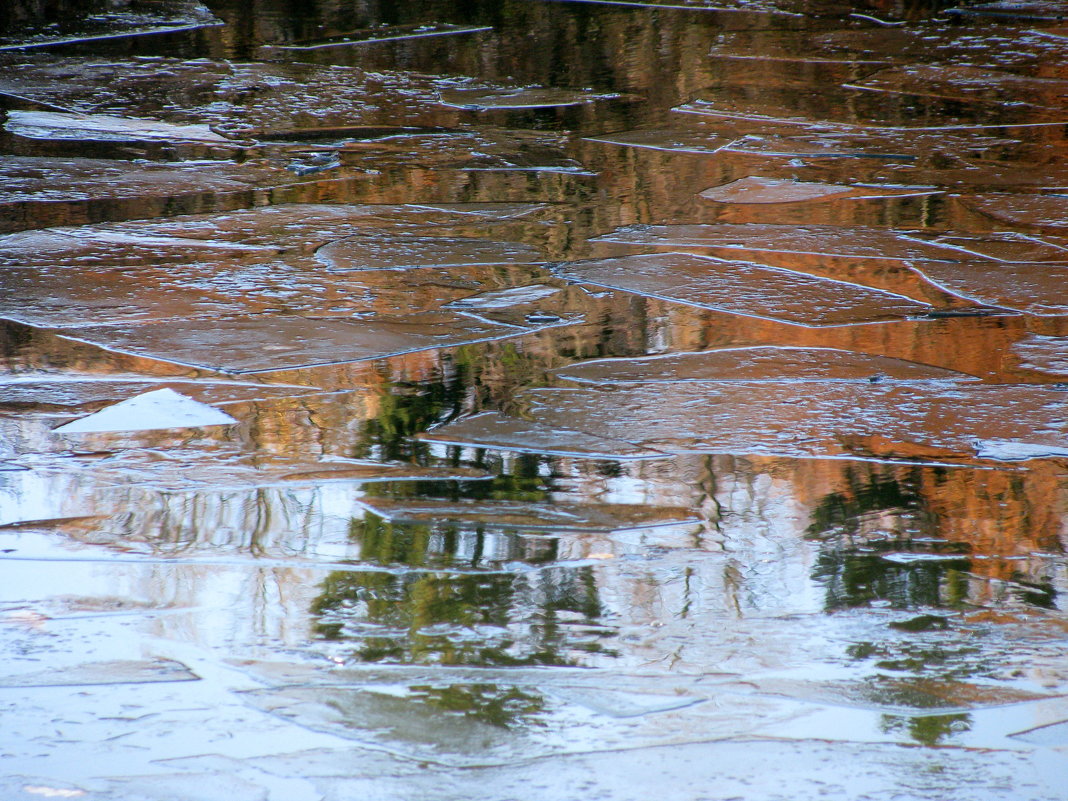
1008 451
754 189
966 83
1035 288
38 192
763 363
914 696
909 558
672 141
96 245
1040 211
1007 246
523 515
840 146
54 125
736 287
542 318
118 671
1051 735
772 190
822 240
71 390
819 419
376 471
161 408
495 430
517 98
855 108
403 252
385 33
623 704
504 298
259 343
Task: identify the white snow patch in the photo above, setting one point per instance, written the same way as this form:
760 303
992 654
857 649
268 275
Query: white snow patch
161 408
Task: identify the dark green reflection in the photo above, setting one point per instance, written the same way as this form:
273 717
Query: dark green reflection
15 338
463 619
406 409
498 706
442 544
926 660
844 512
1037 592
472 378
857 576
859 565
943 662
382 542
926 729
522 484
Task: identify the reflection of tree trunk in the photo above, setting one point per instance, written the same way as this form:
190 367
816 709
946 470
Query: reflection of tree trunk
259 536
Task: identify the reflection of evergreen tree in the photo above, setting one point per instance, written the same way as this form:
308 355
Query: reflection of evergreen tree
524 483
459 619
385 543
927 729
474 377
444 544
488 703
407 409
855 578
853 568
843 512
15 338
1036 593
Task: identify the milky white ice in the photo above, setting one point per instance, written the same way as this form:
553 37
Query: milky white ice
161 408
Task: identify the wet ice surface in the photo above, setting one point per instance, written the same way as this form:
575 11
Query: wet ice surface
119 21
776 365
396 253
744 288
627 399
526 97
798 420
871 243
48 125
772 190
1028 287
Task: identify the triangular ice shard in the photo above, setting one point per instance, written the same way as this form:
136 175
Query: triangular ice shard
161 408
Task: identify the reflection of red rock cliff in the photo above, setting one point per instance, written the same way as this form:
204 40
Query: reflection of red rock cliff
979 346
1000 512
997 512
25 349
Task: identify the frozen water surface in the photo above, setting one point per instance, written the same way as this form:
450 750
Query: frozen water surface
675 141
527 97
776 365
872 243
1028 287
829 420
753 189
366 253
744 288
613 399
